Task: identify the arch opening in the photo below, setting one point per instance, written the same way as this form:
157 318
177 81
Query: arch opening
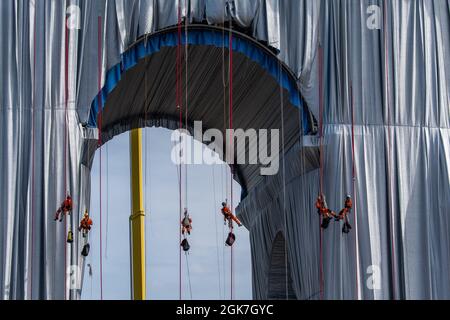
140 90
162 227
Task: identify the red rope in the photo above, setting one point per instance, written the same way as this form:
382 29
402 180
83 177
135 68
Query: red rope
100 116
391 219
231 137
33 155
179 103
354 191
321 274
66 98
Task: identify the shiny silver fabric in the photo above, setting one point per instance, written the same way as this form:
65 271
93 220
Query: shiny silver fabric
402 139
402 117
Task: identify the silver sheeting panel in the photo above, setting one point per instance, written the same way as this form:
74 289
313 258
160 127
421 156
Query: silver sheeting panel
402 213
402 139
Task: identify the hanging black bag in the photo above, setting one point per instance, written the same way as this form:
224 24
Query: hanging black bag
185 245
346 227
231 239
325 222
85 251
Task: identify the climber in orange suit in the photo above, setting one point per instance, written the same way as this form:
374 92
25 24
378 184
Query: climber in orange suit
343 214
324 211
186 223
229 216
85 224
64 209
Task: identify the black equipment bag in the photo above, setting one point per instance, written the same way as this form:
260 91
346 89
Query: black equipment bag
85 251
231 239
185 245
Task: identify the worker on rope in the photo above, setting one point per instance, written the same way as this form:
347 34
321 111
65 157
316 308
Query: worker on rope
65 209
85 224
343 214
84 228
186 228
229 217
324 211
186 223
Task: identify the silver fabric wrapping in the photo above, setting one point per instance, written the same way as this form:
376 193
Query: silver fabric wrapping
401 110
402 139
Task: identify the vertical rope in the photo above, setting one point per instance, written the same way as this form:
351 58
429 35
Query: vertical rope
389 191
186 106
188 274
217 231
107 202
90 276
354 194
33 156
100 115
225 83
231 137
66 138
179 106
321 133
147 190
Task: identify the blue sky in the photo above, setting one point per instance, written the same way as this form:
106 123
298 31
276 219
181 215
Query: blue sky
209 259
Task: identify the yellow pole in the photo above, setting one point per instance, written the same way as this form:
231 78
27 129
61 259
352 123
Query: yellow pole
137 218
